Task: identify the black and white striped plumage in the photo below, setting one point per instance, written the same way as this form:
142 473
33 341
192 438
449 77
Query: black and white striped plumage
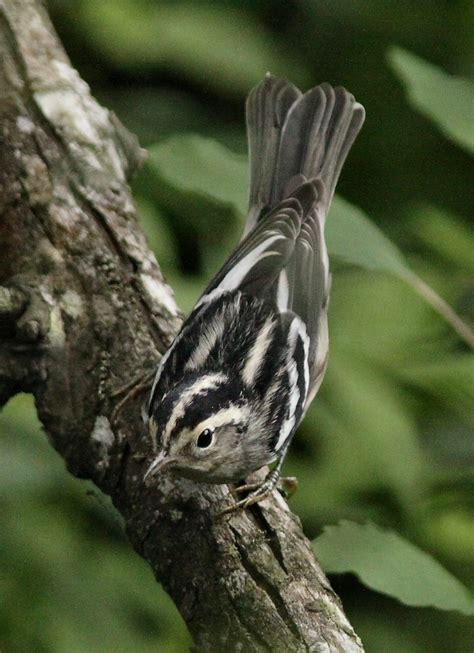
237 380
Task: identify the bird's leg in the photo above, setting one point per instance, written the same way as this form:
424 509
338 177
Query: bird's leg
131 390
286 485
259 491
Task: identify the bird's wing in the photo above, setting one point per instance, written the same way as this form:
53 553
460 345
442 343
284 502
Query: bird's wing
256 265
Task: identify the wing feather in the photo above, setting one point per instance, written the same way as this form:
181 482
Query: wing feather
256 264
298 144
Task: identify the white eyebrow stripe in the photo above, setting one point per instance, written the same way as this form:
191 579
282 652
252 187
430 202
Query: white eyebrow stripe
208 382
231 414
256 355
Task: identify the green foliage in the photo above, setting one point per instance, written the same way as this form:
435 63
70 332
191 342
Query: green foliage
389 437
446 100
191 38
68 579
198 177
354 239
200 167
196 171
387 563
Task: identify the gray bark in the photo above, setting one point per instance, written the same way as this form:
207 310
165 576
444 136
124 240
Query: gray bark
84 310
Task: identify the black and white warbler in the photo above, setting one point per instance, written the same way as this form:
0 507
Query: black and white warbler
238 378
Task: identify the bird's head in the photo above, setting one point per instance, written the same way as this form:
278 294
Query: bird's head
200 427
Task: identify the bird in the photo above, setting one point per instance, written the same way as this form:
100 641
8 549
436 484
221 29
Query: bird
237 380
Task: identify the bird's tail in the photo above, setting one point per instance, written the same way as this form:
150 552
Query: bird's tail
294 137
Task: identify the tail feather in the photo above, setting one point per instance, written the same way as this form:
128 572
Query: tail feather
347 117
300 151
267 108
295 137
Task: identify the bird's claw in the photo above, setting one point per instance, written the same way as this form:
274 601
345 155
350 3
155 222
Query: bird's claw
260 491
256 496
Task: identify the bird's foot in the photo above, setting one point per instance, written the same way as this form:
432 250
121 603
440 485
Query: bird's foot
259 491
131 391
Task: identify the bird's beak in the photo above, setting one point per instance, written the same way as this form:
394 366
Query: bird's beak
157 466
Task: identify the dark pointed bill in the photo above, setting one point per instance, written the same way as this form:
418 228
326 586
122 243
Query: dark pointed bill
157 466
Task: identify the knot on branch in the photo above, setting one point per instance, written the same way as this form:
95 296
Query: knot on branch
25 311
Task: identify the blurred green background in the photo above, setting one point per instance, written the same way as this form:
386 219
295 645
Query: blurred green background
389 439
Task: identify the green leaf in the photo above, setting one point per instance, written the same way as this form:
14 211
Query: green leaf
197 168
387 563
203 167
368 431
446 235
446 100
217 46
158 233
206 184
354 239
449 379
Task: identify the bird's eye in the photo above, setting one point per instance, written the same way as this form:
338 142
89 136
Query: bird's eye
205 438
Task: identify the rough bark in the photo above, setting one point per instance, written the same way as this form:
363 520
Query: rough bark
84 310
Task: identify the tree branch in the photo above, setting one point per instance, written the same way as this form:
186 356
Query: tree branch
84 310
